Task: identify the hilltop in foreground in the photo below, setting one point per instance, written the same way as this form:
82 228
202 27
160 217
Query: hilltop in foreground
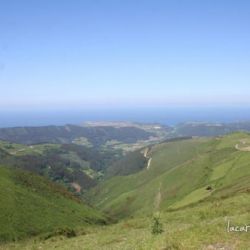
196 187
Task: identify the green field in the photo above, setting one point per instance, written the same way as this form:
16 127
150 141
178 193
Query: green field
194 186
20 149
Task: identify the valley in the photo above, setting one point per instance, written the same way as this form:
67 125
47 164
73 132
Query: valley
108 196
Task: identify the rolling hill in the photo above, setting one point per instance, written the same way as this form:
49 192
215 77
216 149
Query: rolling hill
64 163
209 129
181 173
94 136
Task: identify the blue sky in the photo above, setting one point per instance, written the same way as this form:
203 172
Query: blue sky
113 53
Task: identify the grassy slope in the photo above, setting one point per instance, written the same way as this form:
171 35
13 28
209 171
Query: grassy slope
178 176
126 195
203 226
175 184
31 205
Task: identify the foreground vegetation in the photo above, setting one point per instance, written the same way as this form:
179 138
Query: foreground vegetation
203 226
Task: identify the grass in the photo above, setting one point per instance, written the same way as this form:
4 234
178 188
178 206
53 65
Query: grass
183 169
176 187
83 141
20 149
221 170
195 227
144 184
193 197
31 205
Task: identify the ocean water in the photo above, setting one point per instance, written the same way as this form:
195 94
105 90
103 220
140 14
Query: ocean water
167 116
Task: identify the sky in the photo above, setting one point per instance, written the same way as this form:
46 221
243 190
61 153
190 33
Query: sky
134 53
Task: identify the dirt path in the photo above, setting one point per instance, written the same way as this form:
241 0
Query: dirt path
149 163
145 154
219 246
76 186
149 159
157 201
246 148
17 151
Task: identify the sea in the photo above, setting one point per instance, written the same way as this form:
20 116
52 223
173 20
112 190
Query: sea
163 115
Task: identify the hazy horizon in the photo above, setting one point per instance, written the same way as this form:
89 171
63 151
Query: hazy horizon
163 115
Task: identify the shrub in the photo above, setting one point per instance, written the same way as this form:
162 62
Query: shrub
67 232
157 227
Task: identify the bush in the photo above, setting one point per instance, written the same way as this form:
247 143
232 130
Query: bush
67 232
157 227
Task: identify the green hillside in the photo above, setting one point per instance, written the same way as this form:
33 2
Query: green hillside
180 174
194 186
200 227
31 205
69 164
